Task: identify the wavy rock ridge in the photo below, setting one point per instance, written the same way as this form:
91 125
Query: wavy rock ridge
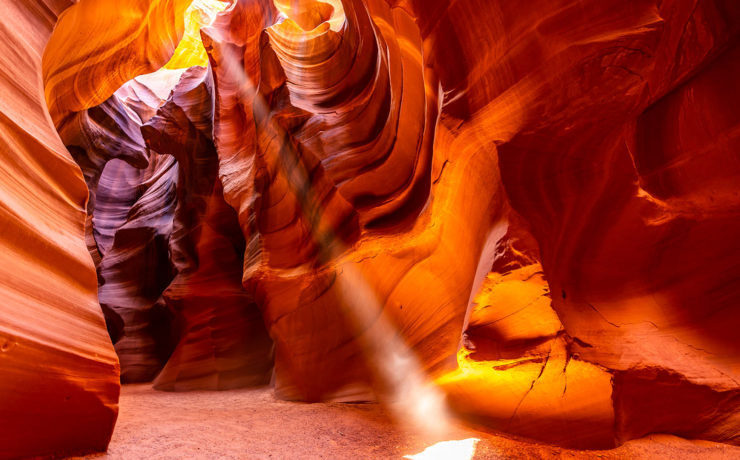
58 371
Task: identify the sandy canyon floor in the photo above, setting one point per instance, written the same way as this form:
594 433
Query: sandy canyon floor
252 424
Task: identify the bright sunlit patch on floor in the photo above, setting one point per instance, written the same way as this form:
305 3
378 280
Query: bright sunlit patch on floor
463 449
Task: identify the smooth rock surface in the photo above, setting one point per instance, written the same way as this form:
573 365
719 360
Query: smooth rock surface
58 371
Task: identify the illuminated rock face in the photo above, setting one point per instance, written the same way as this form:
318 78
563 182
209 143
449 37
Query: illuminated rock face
541 199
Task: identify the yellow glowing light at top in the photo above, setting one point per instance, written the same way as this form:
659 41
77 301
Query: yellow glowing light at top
190 52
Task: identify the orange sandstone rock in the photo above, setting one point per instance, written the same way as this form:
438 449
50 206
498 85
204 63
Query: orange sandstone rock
97 47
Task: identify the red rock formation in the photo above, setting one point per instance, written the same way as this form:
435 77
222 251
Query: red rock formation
59 386
540 200
97 48
325 138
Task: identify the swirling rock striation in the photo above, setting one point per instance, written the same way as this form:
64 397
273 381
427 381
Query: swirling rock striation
96 48
131 210
327 183
222 340
168 248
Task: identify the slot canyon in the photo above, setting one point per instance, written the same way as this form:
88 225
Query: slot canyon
369 229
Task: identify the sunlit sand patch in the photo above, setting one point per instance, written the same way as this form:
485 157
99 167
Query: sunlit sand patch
463 449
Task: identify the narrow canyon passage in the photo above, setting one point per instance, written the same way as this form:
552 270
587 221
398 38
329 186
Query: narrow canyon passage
369 228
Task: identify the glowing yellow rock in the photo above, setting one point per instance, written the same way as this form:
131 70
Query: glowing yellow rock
190 52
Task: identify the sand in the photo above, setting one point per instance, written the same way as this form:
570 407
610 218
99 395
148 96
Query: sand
252 424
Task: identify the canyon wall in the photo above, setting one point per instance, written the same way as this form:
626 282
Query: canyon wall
58 371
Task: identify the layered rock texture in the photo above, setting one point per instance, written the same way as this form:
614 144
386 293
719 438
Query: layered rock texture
539 201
